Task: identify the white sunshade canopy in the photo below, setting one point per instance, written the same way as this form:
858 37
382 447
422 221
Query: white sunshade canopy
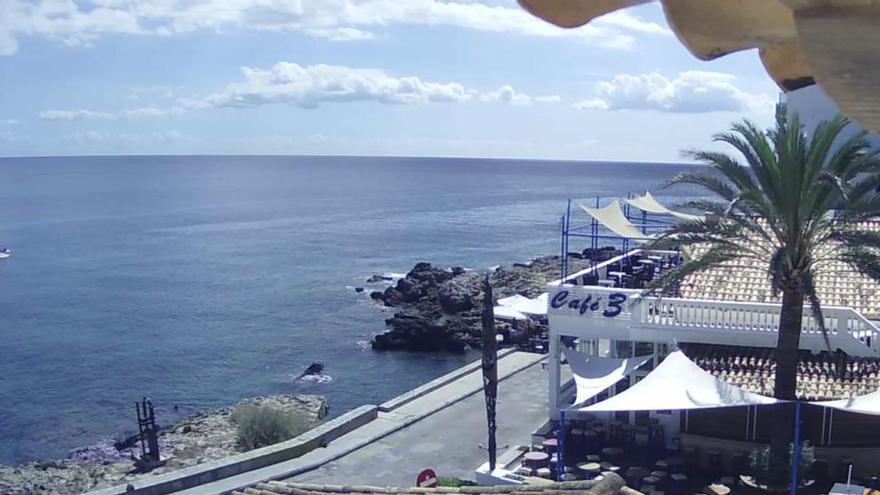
612 217
592 374
508 313
525 305
675 384
649 204
863 404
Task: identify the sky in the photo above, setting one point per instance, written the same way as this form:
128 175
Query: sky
359 77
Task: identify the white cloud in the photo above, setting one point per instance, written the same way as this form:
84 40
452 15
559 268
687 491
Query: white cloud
91 136
689 92
9 122
96 137
142 112
341 20
310 86
506 94
591 104
75 115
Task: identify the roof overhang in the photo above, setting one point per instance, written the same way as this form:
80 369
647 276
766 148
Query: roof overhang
834 43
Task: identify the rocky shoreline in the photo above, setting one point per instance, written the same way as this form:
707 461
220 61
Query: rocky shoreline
438 309
193 440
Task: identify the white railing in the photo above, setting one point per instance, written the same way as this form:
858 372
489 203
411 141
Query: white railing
710 321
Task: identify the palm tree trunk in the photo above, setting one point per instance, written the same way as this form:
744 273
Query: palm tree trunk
787 358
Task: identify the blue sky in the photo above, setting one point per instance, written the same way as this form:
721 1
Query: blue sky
352 77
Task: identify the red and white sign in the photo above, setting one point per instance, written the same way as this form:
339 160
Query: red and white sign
427 479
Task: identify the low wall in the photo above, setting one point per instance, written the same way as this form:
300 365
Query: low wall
446 379
200 474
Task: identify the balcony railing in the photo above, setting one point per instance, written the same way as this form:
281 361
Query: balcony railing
706 321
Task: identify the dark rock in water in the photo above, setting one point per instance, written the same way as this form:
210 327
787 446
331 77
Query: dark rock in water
454 298
375 279
312 369
358 289
436 309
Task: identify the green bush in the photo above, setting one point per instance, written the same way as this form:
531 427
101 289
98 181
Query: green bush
259 426
759 462
454 482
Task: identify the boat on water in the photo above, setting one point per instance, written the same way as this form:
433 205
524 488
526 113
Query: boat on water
5 253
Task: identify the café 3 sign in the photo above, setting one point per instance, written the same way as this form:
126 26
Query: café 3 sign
609 305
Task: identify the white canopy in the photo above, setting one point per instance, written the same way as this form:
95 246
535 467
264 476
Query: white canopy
863 404
678 383
651 205
612 217
592 374
522 304
508 313
512 300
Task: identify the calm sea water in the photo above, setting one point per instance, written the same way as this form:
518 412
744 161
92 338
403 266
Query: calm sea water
200 281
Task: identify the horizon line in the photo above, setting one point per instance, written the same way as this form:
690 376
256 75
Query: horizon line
294 155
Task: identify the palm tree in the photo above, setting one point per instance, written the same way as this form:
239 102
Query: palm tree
793 206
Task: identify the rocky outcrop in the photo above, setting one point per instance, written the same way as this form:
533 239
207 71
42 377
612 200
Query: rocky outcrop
193 440
439 309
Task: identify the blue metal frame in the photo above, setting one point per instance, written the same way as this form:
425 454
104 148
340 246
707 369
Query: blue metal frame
560 453
646 223
796 458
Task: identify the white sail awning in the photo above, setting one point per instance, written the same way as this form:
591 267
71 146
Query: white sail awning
649 204
677 383
612 217
508 313
525 305
592 375
863 404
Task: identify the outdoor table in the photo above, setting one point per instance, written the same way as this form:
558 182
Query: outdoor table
661 475
593 458
544 472
590 469
679 483
536 459
716 489
650 481
551 445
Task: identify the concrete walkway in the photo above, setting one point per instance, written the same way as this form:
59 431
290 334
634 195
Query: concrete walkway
439 429
449 441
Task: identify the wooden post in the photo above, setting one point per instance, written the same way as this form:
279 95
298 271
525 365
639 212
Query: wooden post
490 366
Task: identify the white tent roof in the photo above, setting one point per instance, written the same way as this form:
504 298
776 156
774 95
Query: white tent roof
522 304
612 217
651 205
508 313
678 383
863 404
512 300
592 375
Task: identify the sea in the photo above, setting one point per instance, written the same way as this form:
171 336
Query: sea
198 281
